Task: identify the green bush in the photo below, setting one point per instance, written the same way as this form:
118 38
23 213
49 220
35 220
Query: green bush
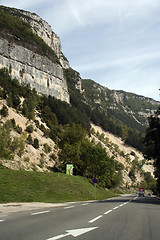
36 143
4 111
29 128
29 139
47 148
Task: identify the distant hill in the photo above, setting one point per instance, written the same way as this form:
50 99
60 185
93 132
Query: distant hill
121 113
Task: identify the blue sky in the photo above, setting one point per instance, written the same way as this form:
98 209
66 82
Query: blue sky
114 42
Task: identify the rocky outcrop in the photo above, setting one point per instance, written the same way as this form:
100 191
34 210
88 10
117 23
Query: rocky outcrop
28 67
44 31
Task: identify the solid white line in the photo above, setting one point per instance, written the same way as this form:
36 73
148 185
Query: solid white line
95 219
39 213
69 207
2 220
108 212
116 207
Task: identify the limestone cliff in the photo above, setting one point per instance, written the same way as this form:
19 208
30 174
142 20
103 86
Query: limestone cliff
44 30
28 66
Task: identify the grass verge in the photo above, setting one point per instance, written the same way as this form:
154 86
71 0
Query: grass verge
22 186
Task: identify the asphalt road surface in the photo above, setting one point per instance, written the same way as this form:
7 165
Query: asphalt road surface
122 218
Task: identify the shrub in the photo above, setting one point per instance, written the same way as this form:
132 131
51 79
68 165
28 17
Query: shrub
29 139
4 111
47 148
36 143
29 128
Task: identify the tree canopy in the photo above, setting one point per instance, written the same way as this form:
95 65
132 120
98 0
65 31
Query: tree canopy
152 142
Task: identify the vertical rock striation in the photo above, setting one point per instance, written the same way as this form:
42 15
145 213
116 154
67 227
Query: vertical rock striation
27 66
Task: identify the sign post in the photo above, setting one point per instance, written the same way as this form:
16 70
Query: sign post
95 181
69 169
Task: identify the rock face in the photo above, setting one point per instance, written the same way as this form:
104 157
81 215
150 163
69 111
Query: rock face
28 67
44 31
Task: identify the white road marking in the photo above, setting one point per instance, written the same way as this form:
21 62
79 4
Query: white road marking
59 236
121 205
85 204
95 219
2 220
116 207
68 207
39 213
108 212
74 233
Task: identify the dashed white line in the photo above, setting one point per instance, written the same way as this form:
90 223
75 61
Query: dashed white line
125 203
116 207
95 219
39 213
108 212
121 205
68 207
85 204
2 220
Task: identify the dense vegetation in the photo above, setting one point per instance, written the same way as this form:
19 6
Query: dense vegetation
152 143
66 125
89 160
16 30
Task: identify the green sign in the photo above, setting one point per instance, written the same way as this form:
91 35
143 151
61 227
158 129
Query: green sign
69 169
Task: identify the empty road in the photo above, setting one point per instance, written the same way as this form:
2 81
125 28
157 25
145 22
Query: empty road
123 218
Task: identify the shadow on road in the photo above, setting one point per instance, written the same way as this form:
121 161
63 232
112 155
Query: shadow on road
144 200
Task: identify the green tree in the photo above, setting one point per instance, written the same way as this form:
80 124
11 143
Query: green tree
89 160
70 145
29 105
5 142
29 139
132 174
152 143
4 111
29 128
72 134
96 163
36 143
15 100
9 100
47 148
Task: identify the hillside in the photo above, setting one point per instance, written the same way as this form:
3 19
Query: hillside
44 67
121 113
127 155
51 117
43 160
32 159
